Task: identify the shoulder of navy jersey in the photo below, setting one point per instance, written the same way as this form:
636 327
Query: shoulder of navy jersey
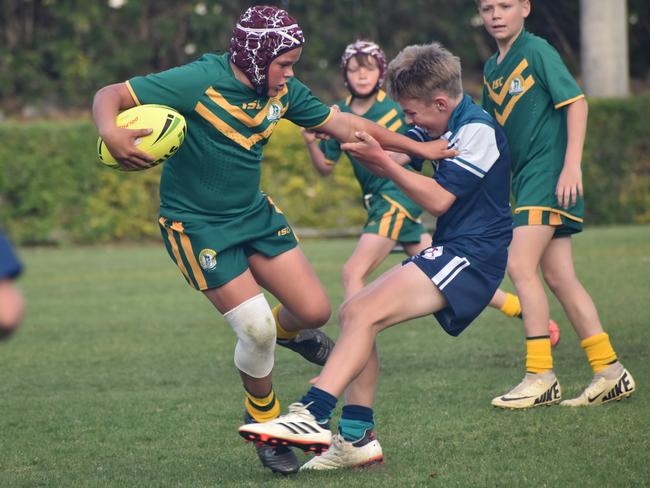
473 133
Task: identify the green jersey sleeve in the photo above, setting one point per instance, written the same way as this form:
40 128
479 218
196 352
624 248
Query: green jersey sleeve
331 149
304 108
179 88
553 74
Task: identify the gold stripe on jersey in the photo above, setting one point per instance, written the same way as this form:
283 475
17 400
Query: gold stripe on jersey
232 134
498 98
238 113
501 96
503 117
399 206
133 95
381 95
554 219
395 125
570 101
386 118
175 250
549 209
348 100
189 255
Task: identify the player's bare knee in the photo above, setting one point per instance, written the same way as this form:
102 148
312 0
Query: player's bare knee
520 271
352 314
317 315
558 279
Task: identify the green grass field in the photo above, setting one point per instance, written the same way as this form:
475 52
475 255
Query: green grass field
123 376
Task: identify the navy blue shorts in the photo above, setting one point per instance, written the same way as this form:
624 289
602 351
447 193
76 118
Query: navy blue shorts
10 265
467 284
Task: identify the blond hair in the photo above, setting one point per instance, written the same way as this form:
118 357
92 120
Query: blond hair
421 70
478 2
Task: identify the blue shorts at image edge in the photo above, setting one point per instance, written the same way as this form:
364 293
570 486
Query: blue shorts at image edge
10 266
468 284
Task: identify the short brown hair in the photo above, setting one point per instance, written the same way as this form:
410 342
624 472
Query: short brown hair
419 71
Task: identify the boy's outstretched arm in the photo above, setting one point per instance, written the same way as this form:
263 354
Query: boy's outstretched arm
424 191
343 126
569 184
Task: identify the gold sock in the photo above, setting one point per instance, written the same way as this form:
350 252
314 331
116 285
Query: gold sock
282 333
511 307
538 354
599 351
262 409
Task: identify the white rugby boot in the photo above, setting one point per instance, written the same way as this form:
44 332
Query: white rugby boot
533 391
298 428
613 383
344 454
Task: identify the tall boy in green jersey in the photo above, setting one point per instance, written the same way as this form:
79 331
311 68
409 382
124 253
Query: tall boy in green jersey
532 95
226 236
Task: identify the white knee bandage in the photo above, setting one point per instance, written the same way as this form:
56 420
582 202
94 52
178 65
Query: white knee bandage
254 325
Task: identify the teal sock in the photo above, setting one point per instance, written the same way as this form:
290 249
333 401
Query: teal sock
355 422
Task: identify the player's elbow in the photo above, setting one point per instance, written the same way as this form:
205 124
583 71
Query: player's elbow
439 206
436 210
107 91
325 169
117 93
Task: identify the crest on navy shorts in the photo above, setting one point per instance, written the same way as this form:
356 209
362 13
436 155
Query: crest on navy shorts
516 86
208 259
275 112
432 252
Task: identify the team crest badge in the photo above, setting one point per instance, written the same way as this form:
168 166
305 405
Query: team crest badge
275 112
208 259
516 86
432 253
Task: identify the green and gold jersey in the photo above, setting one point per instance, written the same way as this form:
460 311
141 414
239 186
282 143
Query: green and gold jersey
386 113
215 175
527 93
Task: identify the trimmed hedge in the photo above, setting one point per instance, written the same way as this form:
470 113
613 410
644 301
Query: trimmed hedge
53 190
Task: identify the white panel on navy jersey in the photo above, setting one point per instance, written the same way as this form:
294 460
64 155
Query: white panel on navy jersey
478 148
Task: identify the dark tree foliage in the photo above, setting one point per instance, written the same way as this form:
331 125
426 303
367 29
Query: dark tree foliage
54 54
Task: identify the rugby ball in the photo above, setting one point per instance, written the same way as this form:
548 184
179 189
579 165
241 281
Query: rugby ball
168 133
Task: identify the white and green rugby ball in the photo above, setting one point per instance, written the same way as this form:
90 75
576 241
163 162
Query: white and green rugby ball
169 129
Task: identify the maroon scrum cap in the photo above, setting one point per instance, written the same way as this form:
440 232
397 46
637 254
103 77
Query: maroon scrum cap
366 48
262 34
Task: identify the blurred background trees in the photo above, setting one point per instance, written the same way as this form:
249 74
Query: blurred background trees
54 54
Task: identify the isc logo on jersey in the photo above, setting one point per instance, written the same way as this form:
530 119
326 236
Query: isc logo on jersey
275 112
516 86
